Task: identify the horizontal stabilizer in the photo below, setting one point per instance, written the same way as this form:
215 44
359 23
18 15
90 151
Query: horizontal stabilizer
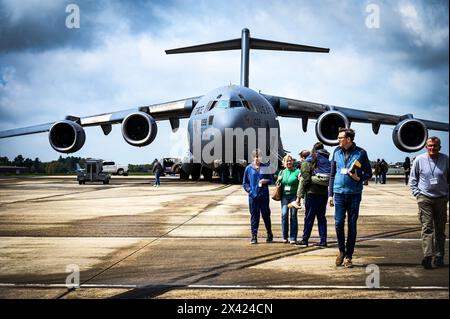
258 44
234 44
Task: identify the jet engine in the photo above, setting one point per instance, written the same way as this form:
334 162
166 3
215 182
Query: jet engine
66 136
139 129
327 126
410 135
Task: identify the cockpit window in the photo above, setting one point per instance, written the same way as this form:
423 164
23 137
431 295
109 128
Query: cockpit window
225 104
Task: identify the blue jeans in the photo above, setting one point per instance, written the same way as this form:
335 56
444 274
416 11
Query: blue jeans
346 204
157 180
315 205
377 179
285 200
259 207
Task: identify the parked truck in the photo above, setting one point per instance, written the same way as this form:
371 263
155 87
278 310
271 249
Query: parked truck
115 169
93 172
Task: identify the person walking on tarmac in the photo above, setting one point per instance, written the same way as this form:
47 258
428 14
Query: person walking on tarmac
257 177
157 170
315 171
350 167
429 184
384 167
407 169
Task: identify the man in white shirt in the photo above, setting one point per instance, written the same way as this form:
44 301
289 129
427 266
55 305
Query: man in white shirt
429 184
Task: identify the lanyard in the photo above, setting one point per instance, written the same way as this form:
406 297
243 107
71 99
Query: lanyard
429 163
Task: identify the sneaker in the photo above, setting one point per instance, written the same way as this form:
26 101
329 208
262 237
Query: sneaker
292 242
322 244
303 243
426 263
294 204
254 240
269 238
348 263
438 261
285 241
340 259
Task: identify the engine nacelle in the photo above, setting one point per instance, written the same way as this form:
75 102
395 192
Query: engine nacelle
327 127
66 136
410 135
139 129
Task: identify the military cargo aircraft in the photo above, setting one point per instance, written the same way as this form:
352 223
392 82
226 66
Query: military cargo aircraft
231 107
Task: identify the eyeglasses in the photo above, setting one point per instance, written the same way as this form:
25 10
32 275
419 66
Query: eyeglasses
432 146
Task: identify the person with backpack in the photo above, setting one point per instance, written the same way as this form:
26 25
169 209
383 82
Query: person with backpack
315 172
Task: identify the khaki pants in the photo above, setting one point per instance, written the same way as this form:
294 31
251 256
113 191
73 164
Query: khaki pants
433 217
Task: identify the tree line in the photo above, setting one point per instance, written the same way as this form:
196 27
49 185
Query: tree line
60 166
63 165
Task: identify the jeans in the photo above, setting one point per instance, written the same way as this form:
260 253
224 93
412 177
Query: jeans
292 213
377 179
383 178
315 205
259 206
157 180
346 204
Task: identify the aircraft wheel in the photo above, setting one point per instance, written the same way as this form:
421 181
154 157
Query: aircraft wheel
195 175
224 177
184 175
207 174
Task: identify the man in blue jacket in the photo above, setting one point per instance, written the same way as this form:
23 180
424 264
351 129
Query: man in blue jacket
350 167
257 177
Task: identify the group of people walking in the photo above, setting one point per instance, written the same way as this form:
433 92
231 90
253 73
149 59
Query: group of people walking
338 181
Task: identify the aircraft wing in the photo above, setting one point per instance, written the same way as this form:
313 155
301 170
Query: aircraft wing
409 134
172 111
310 110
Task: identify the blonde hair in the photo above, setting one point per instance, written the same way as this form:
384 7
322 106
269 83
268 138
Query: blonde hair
285 159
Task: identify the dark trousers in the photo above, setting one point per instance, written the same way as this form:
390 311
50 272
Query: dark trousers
346 204
259 207
383 178
157 180
316 206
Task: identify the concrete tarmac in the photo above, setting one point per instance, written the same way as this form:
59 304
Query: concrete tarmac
191 240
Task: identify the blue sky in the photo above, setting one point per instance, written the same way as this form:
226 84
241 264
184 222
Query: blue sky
116 60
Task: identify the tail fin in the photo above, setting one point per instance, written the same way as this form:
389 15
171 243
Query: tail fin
245 43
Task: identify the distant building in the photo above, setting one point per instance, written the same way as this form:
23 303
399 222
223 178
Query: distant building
14 169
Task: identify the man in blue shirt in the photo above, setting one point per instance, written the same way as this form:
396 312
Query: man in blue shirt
257 177
429 184
350 167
